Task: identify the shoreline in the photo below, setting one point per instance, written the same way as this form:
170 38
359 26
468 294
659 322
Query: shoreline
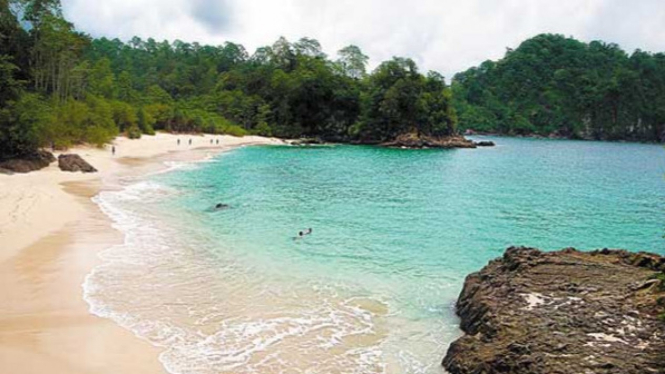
543 137
45 324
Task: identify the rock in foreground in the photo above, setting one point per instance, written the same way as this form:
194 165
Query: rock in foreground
533 312
26 164
415 141
74 163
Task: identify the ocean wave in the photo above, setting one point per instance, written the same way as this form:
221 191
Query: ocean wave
217 318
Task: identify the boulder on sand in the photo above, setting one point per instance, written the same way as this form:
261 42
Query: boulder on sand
26 164
74 163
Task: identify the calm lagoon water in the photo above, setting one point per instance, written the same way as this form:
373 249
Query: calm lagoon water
395 232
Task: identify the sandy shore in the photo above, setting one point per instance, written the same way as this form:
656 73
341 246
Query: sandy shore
50 235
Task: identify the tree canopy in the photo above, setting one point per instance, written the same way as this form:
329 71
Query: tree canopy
556 85
60 87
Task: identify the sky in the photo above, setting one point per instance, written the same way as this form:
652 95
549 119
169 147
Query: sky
448 36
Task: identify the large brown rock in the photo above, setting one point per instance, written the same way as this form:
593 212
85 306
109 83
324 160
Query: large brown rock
74 163
415 141
533 312
308 141
26 164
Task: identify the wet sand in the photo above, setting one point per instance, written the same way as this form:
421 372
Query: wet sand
50 235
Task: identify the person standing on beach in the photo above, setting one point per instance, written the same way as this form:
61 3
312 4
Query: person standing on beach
190 141
178 141
217 141
113 150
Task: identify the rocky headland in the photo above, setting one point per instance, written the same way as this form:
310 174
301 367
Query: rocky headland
533 312
307 141
416 141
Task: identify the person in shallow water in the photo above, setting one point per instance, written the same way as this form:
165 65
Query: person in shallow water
303 233
221 206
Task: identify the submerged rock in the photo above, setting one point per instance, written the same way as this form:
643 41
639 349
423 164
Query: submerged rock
74 163
26 164
533 312
415 141
485 143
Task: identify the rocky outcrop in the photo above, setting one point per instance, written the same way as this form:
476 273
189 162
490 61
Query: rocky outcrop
307 141
26 164
485 143
533 312
74 163
415 141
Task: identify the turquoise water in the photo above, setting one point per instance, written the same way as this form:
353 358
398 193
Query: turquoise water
395 232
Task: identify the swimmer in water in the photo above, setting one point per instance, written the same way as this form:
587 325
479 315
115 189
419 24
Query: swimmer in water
302 234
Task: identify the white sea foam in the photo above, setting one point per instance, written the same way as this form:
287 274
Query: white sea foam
156 285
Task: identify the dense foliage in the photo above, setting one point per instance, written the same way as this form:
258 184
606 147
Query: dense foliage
556 85
59 87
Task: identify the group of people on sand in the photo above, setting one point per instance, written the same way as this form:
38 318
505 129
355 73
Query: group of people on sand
212 141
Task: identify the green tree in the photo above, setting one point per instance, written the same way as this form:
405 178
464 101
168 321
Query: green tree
352 61
24 125
553 85
101 79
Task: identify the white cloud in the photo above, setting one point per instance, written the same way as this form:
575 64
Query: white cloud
444 35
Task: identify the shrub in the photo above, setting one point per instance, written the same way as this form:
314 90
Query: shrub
263 129
145 122
25 125
233 130
134 132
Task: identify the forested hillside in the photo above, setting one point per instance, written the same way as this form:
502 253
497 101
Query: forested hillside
59 87
553 85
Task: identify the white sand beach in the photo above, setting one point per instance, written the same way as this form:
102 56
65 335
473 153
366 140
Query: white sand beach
50 235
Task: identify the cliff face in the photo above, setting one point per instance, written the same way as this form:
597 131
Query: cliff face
533 312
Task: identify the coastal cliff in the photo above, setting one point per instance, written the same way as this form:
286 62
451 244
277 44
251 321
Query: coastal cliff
533 312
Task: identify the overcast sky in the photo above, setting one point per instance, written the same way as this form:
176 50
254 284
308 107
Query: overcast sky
444 35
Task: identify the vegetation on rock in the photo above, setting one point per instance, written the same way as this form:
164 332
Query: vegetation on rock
553 85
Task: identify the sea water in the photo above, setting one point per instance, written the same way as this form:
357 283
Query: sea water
394 232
